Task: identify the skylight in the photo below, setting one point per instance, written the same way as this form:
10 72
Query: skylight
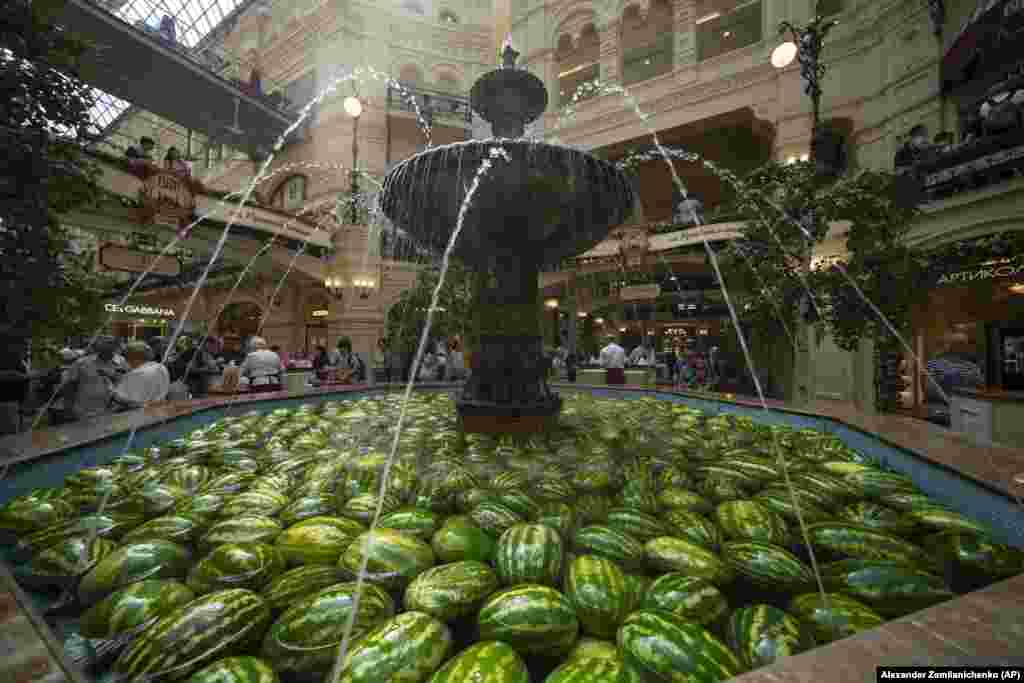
194 19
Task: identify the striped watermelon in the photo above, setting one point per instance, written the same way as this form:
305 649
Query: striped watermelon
597 589
452 590
394 559
409 648
58 564
131 563
529 553
286 589
305 639
519 503
762 634
459 538
891 589
877 516
494 518
837 617
690 597
676 498
670 554
667 646
237 565
767 565
263 502
592 648
595 671
532 619
636 590
976 553
305 507
176 528
132 606
243 529
746 520
559 516
694 527
488 662
640 525
195 634
876 483
610 543
860 542
553 490
29 513
236 670
781 503
938 518
317 540
415 522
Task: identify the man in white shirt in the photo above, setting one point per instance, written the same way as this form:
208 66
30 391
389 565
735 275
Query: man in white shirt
613 360
146 382
263 367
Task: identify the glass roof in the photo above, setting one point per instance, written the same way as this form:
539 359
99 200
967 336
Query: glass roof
194 19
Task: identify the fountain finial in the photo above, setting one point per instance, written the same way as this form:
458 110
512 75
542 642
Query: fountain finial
509 54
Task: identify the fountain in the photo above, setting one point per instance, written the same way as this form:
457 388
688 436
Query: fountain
548 202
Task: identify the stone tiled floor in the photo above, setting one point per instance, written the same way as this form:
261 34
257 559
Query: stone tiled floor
983 628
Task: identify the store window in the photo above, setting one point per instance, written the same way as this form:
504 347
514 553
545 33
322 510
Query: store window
577 64
647 46
724 26
291 194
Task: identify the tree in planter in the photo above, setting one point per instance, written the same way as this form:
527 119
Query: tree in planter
49 293
408 316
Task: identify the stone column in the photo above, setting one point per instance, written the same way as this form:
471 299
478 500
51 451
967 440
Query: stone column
610 51
684 16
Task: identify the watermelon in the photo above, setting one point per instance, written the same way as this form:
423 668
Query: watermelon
317 540
529 553
305 507
836 617
533 619
665 645
977 553
693 527
593 648
519 503
415 522
877 516
690 597
938 518
176 528
236 670
597 589
578 670
683 499
670 554
494 518
131 563
195 634
767 565
305 639
58 564
283 591
762 634
409 647
452 590
558 515
891 589
132 606
264 502
237 565
610 543
640 525
242 529
746 520
459 538
393 559
28 514
860 542
487 662
876 483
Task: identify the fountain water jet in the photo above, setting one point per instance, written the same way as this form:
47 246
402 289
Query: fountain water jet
547 203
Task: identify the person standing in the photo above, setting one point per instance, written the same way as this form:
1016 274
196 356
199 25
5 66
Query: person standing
571 361
146 382
613 360
381 371
262 367
90 381
456 363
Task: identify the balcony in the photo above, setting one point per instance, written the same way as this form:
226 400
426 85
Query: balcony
137 66
434 105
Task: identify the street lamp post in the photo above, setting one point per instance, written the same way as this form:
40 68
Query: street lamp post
805 47
354 108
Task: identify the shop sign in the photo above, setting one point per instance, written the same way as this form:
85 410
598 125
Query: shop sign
320 313
639 292
987 272
133 309
115 257
167 200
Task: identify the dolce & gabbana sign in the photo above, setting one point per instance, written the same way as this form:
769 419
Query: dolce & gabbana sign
988 271
132 309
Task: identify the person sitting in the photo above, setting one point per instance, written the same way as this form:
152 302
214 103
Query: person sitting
613 360
146 382
168 30
175 164
321 361
89 382
262 367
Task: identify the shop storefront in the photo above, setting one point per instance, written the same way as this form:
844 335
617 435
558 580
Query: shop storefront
139 321
969 337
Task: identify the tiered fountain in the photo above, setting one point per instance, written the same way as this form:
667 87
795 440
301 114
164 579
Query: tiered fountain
545 203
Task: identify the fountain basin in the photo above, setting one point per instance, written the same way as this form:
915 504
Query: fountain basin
980 504
544 203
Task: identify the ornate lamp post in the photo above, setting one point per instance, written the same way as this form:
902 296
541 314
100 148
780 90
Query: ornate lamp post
805 47
354 108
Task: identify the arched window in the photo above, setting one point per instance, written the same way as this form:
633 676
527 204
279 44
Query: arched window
646 45
291 194
727 25
577 64
413 6
448 17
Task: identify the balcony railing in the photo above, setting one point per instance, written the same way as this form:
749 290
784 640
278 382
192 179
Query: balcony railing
971 165
432 104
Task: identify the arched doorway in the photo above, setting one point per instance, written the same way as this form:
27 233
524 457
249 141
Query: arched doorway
237 323
318 310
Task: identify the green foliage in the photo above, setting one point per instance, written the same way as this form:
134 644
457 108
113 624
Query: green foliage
787 211
50 293
408 315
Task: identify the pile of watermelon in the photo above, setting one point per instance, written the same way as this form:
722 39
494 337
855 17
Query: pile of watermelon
641 540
